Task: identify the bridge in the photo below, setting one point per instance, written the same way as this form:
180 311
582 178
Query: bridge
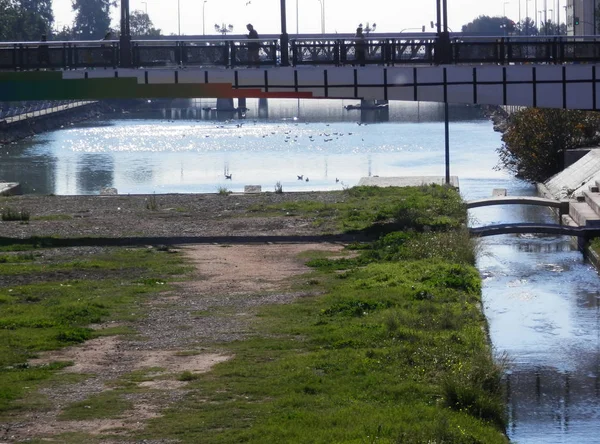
561 205
533 228
551 72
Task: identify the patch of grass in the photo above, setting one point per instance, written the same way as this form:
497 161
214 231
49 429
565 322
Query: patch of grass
49 315
53 217
379 210
393 349
188 376
223 191
108 404
10 214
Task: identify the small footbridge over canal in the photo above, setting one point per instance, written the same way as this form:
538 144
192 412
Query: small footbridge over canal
563 207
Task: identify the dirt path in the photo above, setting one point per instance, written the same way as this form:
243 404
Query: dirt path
178 334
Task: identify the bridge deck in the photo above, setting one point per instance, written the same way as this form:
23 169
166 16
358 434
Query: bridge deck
532 228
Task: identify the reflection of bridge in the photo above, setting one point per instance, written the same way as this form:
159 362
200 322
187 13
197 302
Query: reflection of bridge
538 72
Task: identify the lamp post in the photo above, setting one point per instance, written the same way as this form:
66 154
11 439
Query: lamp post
504 8
369 29
223 29
125 39
178 18
285 53
145 7
203 21
322 3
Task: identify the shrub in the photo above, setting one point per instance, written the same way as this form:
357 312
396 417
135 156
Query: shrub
278 188
8 214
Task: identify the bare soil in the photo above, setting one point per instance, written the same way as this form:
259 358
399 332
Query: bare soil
183 328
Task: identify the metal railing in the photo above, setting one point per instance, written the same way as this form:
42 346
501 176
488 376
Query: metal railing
345 50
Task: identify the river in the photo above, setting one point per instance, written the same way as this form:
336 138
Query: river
541 299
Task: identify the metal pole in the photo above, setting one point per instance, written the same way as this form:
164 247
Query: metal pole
447 141
558 17
178 18
285 55
203 21
297 27
520 24
125 39
526 17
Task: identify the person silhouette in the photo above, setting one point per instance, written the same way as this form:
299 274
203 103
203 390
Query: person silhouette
43 52
360 48
254 46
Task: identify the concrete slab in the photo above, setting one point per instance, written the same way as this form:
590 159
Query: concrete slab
10 188
573 180
583 215
408 181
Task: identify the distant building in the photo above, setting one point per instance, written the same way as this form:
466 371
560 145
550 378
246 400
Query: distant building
581 17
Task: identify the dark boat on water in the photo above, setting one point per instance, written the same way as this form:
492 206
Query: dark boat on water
380 106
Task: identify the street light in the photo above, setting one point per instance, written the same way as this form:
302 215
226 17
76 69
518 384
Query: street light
322 2
145 7
178 18
203 5
223 29
504 8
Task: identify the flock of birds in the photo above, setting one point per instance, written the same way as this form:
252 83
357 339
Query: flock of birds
288 138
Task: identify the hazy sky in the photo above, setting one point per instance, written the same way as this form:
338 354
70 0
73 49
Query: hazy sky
340 15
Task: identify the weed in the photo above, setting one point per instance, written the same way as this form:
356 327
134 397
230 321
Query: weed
9 214
223 191
188 376
152 203
278 188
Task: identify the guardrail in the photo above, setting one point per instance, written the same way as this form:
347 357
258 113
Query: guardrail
235 52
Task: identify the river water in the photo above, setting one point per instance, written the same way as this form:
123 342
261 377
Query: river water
542 300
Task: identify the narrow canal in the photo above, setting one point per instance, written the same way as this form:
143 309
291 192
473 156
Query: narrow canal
541 298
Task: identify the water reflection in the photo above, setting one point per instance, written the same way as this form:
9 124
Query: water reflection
542 302
176 150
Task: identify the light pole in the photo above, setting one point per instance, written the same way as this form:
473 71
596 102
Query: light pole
178 18
223 29
297 27
203 21
145 7
322 3
504 8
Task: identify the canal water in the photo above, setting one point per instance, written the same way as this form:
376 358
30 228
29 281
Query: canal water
542 300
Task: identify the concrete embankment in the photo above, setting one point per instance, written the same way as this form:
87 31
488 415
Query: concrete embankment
29 124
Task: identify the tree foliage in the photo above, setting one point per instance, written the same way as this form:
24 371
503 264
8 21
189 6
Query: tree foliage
141 25
22 20
494 26
535 140
92 18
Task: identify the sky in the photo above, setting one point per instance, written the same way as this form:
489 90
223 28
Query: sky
342 16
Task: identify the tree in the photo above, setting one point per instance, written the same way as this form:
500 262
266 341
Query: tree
493 26
527 27
25 19
92 18
535 140
141 25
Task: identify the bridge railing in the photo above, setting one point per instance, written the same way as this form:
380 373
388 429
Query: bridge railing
507 50
234 52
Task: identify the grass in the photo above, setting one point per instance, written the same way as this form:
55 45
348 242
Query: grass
49 315
224 191
278 188
10 214
393 349
388 344
426 208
